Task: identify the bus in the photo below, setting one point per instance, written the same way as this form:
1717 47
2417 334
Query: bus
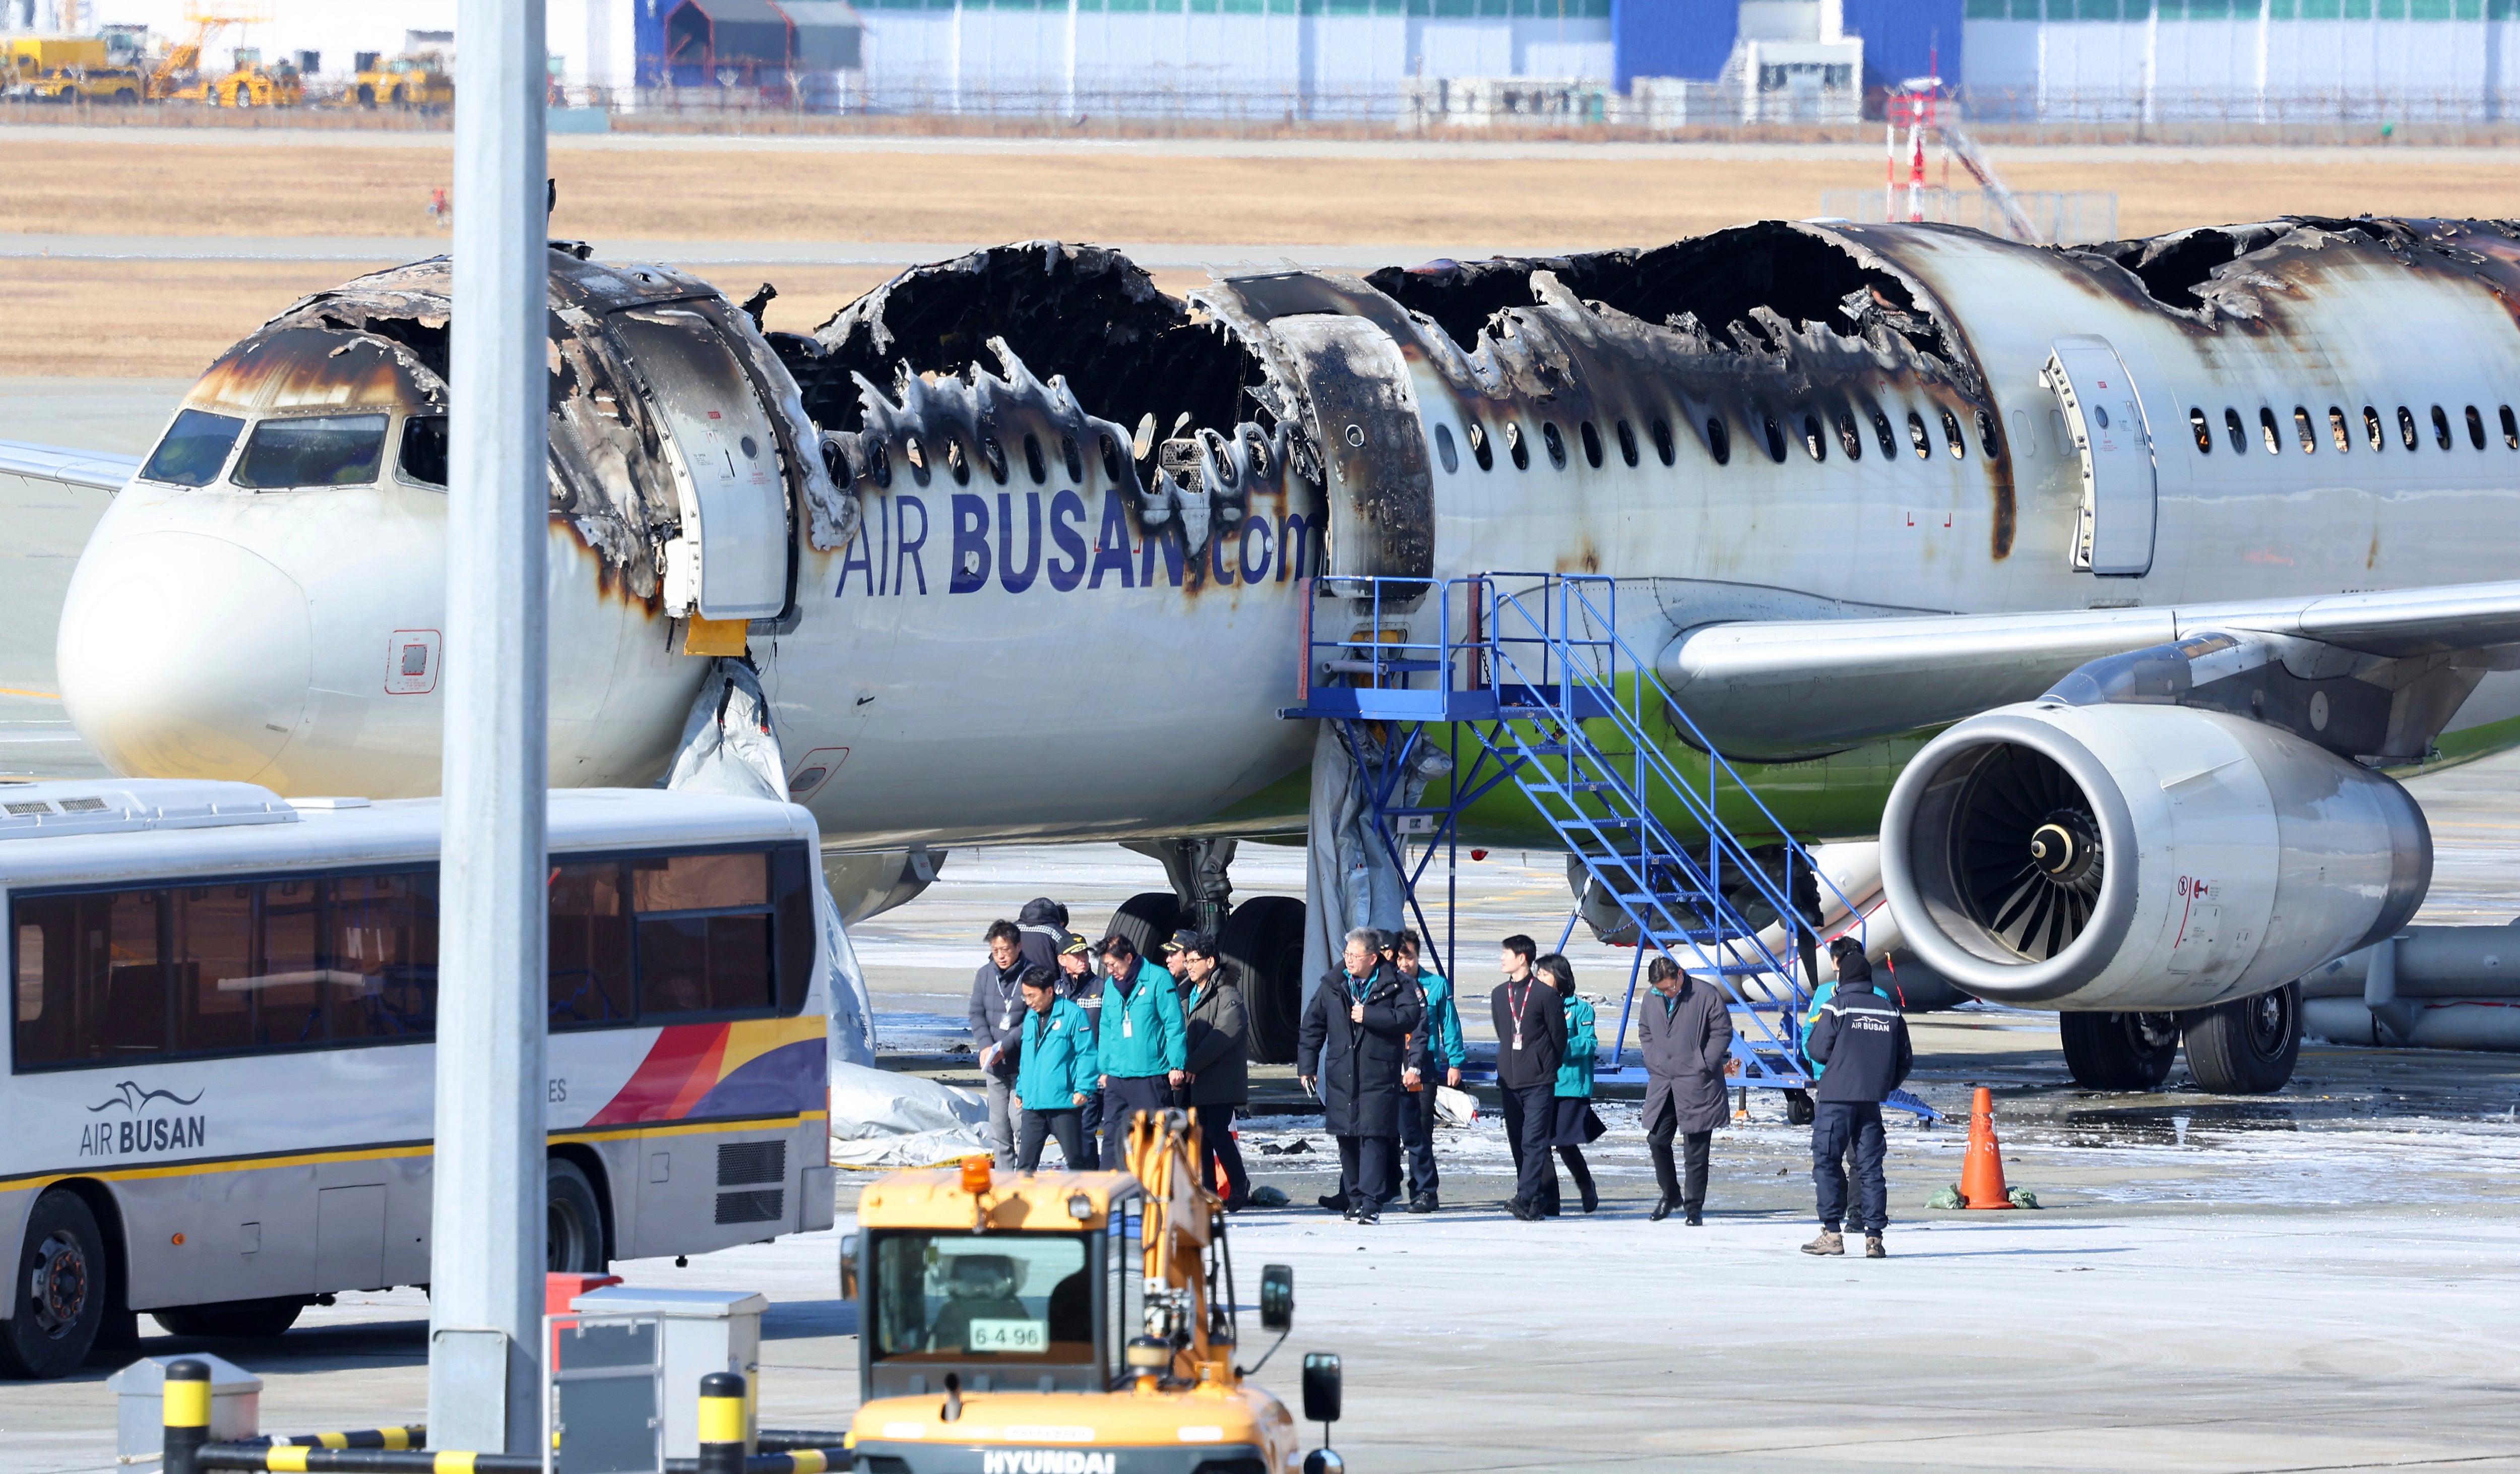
221 1080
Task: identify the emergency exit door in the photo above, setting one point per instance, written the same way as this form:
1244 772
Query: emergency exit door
2104 418
731 559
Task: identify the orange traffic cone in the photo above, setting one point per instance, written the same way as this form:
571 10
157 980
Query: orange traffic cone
1982 1169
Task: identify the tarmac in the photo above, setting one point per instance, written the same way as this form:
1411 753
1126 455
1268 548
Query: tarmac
2318 1279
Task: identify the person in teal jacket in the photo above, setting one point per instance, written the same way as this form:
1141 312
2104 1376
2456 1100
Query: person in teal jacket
1143 1045
1057 1076
1437 1051
1574 1082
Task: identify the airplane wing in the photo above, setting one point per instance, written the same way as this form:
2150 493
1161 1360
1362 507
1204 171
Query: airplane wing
1793 688
97 470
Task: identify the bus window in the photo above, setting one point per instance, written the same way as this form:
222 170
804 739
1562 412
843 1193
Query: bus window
590 944
384 935
704 932
91 983
214 974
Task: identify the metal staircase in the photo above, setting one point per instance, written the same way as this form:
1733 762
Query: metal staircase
1532 667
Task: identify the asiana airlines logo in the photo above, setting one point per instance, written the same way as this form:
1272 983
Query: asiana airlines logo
143 1132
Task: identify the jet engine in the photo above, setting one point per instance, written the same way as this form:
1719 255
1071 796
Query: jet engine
2142 859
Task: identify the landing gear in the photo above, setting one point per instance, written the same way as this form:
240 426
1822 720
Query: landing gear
1264 940
1147 919
2119 1051
2248 1045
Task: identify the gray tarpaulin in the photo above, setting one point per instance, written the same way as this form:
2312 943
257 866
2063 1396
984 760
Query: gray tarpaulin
1350 879
730 746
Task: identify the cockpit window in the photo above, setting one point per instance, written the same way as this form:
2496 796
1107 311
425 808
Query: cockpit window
315 450
423 450
196 446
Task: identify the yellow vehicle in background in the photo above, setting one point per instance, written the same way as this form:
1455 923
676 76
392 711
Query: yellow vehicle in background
251 85
1074 1320
32 56
96 84
419 80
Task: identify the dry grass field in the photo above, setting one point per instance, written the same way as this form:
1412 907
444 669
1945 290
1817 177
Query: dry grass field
138 318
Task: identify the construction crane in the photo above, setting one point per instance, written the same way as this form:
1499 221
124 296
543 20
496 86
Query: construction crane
179 74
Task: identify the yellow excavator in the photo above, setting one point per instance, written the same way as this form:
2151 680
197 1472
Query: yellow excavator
1077 1321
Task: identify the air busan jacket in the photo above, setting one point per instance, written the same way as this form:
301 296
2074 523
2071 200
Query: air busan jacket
1863 1039
1144 1034
1442 1026
1059 1060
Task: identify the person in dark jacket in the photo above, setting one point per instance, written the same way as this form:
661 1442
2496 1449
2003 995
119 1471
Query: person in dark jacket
1439 1061
1350 1049
1219 1064
1684 1032
1571 1103
1862 1040
1058 1073
1042 925
997 1014
1531 1043
1139 1044
1081 984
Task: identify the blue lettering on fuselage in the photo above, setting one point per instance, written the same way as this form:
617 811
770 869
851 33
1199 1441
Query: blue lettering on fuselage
1004 546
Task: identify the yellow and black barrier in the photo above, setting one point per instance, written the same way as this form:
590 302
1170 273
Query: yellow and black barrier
791 1462
300 1459
410 1436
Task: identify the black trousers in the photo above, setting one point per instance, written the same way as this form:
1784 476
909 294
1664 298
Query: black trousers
1531 1116
1837 1126
1124 1097
1217 1145
1035 1128
1363 1161
1696 1148
1416 1144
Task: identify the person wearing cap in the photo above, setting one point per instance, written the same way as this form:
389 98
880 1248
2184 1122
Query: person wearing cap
1860 1039
1058 1073
1141 1044
1174 952
1219 1064
1349 1050
1440 1052
997 1007
1684 1034
1079 984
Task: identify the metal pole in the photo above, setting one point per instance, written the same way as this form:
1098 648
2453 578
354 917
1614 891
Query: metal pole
486 1251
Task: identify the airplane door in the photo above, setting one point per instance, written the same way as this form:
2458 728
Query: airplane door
731 560
1365 419
2104 419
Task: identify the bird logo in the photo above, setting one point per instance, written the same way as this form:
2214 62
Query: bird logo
131 1097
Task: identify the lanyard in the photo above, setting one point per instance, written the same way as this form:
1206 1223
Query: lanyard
1521 1003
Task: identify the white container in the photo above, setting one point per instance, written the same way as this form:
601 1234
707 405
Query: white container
705 1331
140 1403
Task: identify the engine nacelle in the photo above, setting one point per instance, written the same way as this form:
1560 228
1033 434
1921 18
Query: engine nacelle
2141 858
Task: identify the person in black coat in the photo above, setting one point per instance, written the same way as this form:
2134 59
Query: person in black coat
1862 1040
1685 1032
1354 1041
1531 1043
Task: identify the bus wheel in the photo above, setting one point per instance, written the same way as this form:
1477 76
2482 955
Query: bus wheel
244 1319
61 1290
574 1235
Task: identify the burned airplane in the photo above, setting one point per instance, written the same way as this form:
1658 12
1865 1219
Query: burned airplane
2105 584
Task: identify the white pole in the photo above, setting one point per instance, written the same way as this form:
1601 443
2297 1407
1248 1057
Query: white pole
486 1252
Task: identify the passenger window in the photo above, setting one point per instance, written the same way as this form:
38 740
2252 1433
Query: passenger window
1627 443
1555 444
2304 430
194 450
994 456
2372 427
1034 466
2337 429
1815 444
312 450
1951 436
1775 438
2510 429
1444 451
1479 450
957 463
2407 427
1665 446
2022 440
2440 428
2203 429
1849 439
1717 444
422 457
2267 430
2239 436
1883 432
590 944
1075 462
704 935
1592 445
1918 437
1515 449
2056 432
2475 427
1985 440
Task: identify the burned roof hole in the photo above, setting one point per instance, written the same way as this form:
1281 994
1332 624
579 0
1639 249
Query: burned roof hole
2173 267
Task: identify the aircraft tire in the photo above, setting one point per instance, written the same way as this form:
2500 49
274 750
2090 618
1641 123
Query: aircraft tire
1148 919
63 1251
1264 939
2119 1051
249 1320
2248 1045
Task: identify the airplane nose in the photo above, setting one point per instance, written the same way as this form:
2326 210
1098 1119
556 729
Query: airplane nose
184 655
